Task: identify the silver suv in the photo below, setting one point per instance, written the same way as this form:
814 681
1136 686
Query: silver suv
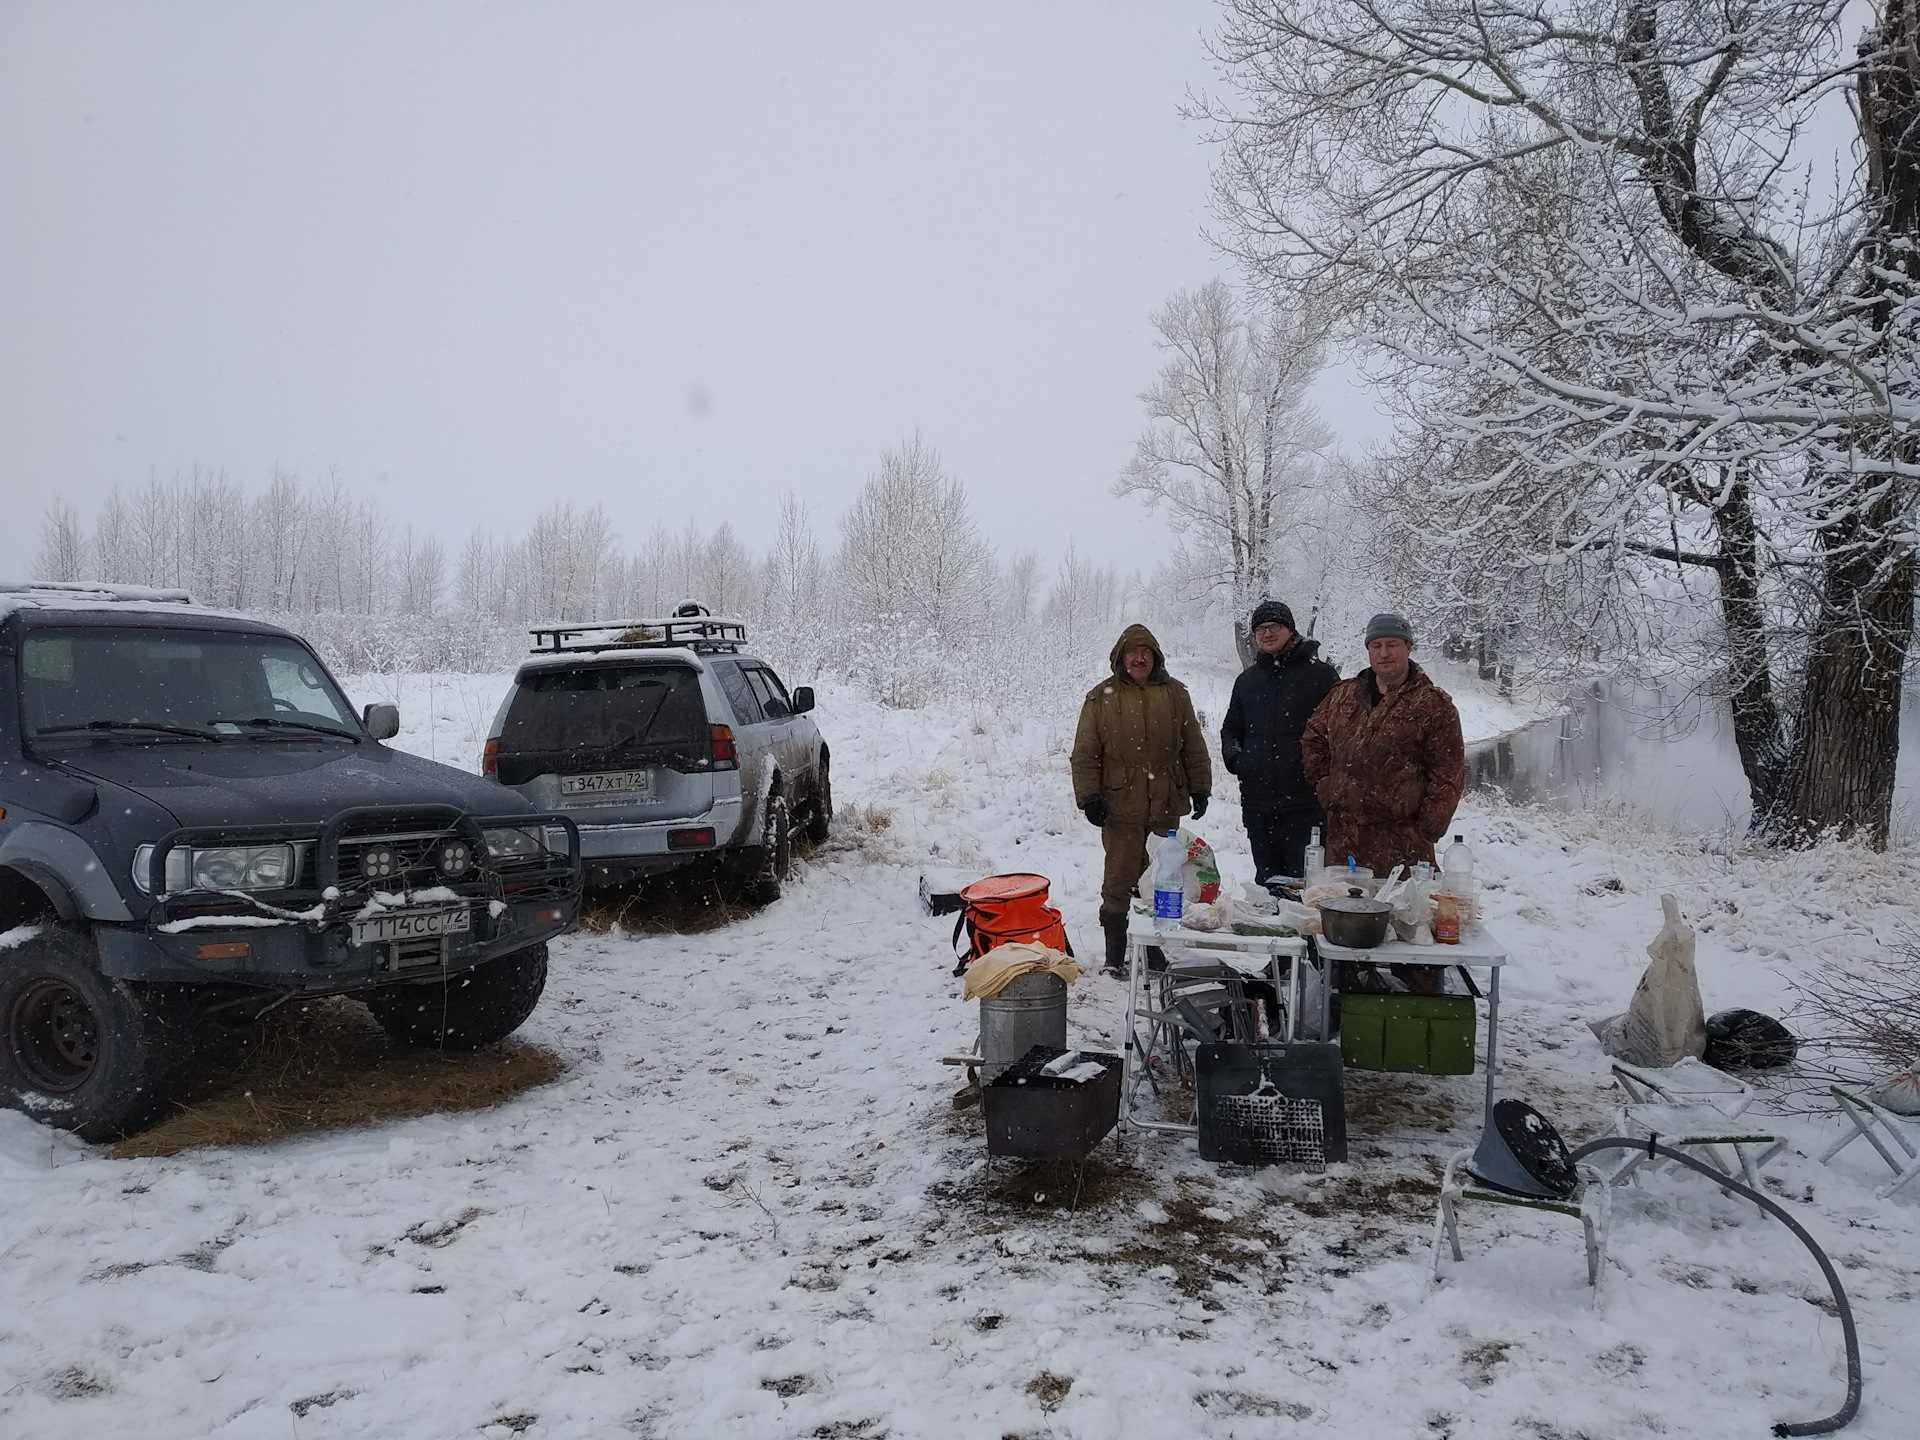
669 744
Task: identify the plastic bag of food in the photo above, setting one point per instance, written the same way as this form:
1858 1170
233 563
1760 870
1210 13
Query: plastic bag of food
1205 916
1199 869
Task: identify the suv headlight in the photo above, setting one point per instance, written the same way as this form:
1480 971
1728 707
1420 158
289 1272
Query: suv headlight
222 867
516 844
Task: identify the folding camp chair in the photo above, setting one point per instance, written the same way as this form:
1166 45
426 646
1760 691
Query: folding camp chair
1590 1204
1694 1107
1880 1125
1733 1147
1688 1082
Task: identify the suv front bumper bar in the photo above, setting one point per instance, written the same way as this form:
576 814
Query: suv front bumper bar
303 941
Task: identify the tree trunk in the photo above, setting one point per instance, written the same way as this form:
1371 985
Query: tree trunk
1756 711
1847 734
1243 642
1839 778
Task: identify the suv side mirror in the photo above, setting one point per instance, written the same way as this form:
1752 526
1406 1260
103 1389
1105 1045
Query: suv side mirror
802 699
382 721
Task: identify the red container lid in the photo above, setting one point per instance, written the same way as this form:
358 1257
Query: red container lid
1004 887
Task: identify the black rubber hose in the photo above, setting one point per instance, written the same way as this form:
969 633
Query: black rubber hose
1847 1411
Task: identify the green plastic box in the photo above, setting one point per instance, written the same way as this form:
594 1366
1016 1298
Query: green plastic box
1408 1034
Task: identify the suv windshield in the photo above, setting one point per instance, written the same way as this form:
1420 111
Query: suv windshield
148 682
606 708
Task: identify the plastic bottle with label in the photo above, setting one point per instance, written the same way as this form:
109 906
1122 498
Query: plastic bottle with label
1169 883
1315 858
1453 900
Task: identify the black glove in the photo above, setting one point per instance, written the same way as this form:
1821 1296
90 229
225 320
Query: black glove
1095 810
1199 806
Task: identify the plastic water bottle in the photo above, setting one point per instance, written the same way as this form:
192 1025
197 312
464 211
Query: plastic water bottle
1169 883
1315 858
1457 868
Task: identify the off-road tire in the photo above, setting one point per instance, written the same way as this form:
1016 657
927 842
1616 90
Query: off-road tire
472 1008
82 1051
776 850
820 811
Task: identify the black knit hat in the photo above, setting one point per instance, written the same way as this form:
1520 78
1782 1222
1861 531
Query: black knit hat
1271 612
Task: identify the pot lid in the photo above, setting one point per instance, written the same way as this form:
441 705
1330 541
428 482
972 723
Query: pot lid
1356 905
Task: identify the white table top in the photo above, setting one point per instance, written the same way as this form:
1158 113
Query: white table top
1478 946
1141 927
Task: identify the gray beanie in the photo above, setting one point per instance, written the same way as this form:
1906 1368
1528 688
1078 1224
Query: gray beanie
1388 625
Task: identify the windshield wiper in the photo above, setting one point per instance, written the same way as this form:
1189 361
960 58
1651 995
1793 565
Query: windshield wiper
121 725
273 722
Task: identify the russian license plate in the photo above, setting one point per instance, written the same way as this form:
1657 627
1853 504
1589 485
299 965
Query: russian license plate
612 783
413 925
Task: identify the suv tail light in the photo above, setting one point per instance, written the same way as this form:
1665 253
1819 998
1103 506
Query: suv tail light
490 758
725 757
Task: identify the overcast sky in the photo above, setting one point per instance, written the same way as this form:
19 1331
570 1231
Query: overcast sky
675 259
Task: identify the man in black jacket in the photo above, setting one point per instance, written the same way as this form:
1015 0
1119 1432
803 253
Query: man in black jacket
1260 739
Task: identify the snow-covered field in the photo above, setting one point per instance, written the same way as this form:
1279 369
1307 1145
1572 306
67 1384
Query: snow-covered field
749 1209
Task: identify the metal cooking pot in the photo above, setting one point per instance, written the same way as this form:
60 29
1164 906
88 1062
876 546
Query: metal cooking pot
1354 922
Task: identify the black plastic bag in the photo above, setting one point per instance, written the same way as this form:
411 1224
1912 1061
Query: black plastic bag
1748 1040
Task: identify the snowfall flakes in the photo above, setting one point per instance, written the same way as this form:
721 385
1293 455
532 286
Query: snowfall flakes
644 1247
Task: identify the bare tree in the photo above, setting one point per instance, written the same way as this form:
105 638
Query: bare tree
1081 603
1020 588
1643 363
1232 442
914 573
63 545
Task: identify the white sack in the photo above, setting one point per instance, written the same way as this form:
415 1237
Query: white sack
1665 1021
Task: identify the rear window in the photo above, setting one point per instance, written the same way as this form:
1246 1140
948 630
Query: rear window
607 708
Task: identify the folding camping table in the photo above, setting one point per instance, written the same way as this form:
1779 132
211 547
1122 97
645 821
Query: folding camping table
1478 949
1154 1027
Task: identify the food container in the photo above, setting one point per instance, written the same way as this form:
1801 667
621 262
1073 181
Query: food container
1354 922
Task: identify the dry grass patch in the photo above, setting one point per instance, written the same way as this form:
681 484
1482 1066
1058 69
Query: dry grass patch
326 1065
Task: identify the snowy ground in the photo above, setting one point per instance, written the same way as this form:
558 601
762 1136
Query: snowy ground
749 1209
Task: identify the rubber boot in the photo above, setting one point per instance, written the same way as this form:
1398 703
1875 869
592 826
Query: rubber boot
1114 926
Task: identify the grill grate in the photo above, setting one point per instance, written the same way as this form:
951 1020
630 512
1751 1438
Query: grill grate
1281 1129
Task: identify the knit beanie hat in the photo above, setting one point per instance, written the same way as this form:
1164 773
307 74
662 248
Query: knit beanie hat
1389 626
1271 612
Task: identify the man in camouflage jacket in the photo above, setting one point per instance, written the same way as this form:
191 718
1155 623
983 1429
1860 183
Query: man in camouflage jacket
1139 760
1384 755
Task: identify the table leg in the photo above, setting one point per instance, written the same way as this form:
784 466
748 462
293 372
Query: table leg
1130 1060
1493 1040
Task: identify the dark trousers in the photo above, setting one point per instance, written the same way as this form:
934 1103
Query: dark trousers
1279 838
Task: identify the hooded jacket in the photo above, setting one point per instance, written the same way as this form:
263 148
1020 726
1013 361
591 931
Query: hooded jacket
1260 737
1390 770
1140 747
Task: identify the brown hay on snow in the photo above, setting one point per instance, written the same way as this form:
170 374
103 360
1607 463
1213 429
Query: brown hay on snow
325 1065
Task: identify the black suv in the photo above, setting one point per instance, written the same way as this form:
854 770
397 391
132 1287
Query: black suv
195 826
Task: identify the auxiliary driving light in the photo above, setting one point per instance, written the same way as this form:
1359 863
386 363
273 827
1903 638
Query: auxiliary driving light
455 857
379 862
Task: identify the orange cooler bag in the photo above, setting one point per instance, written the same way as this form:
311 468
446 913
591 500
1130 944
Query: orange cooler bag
1006 910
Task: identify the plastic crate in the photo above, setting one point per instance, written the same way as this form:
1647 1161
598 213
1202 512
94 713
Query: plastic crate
1408 1034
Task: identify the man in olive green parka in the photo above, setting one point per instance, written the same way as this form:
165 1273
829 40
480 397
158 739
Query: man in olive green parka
1139 760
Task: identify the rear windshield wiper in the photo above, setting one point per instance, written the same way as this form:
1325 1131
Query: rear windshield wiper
113 726
273 722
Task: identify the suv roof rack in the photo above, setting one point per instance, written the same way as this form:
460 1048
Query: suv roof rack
692 632
94 590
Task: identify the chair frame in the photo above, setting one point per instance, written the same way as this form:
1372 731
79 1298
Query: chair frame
1591 1204
1871 1120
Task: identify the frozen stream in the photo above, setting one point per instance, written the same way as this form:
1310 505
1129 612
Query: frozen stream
1653 753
